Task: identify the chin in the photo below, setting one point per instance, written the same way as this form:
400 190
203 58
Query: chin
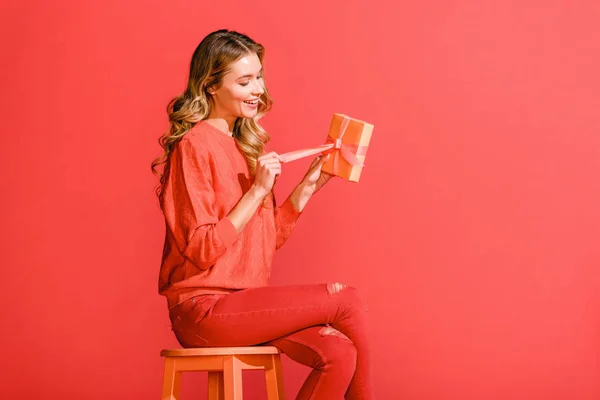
248 115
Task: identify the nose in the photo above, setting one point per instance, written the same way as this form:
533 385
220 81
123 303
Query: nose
259 88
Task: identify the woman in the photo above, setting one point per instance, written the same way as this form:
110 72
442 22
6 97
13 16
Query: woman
223 227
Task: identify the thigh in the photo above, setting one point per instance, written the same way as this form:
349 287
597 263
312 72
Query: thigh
258 315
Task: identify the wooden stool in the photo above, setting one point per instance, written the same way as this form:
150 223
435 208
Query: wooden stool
224 366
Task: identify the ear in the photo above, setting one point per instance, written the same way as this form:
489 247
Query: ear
210 90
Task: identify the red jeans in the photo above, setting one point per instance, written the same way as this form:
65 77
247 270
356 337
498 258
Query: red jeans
296 319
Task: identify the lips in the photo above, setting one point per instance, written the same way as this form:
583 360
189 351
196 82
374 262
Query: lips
255 101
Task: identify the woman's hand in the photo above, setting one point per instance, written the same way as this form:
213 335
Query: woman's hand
315 178
268 167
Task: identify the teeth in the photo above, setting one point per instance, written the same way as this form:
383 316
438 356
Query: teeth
251 102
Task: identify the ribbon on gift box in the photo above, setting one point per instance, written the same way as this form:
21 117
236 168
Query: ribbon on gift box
332 145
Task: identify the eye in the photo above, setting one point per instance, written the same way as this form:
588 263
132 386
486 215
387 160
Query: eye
246 83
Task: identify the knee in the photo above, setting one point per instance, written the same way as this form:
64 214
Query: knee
338 353
349 295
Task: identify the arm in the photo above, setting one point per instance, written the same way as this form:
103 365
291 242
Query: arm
288 213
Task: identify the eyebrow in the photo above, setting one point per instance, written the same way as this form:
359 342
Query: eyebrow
249 75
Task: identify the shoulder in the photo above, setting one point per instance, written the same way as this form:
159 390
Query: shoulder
199 136
196 141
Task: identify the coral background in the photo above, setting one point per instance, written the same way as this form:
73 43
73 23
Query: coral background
472 234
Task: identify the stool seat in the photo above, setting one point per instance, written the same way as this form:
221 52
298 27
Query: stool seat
224 366
212 351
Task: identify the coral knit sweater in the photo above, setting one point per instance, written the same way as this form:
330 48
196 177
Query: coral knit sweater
203 252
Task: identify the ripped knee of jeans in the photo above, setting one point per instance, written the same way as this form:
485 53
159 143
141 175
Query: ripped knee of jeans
333 288
329 330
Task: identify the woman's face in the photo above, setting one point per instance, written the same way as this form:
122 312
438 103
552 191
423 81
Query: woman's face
239 93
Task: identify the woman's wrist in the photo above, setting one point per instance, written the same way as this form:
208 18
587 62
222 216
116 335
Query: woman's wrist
246 207
300 196
258 192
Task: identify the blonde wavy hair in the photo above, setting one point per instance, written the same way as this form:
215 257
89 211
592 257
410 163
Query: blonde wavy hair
211 61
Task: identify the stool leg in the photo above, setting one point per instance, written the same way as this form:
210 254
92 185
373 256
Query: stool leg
274 378
232 375
171 380
215 385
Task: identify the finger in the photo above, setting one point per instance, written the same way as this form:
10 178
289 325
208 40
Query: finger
273 166
278 156
271 154
266 155
270 158
269 161
320 160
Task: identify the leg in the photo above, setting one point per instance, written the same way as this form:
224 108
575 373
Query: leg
171 381
232 375
333 359
215 385
260 315
274 378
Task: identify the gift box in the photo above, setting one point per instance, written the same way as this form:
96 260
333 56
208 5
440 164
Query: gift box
350 138
347 141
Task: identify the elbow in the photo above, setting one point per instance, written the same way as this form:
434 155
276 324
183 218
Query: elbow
202 257
280 241
208 243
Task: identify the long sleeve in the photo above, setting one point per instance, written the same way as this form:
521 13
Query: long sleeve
286 217
189 198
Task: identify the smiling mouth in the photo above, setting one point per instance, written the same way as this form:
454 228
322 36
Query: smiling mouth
252 102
